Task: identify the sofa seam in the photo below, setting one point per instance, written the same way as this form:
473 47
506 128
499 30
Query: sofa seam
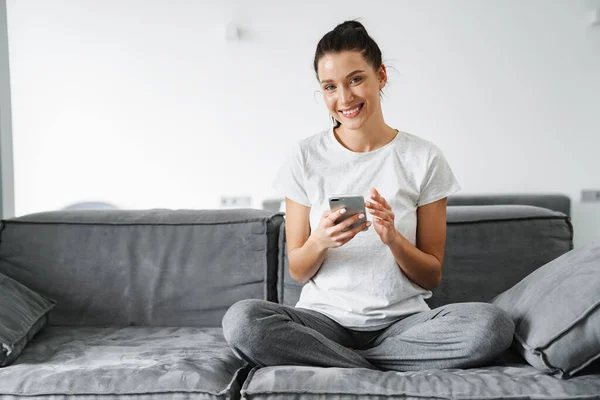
66 394
584 314
266 262
281 267
354 394
572 234
229 389
404 395
584 364
537 353
555 338
244 388
506 220
246 221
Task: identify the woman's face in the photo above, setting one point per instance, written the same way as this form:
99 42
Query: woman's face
350 87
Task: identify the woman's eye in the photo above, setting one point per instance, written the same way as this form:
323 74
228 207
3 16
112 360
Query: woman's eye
329 87
356 79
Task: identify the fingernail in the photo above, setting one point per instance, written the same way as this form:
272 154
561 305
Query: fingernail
368 223
343 210
361 215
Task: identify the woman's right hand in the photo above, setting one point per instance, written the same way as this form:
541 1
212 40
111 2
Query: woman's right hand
329 234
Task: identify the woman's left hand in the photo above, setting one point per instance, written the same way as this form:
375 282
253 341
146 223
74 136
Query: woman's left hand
383 217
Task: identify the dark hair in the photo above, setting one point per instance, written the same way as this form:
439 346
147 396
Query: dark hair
348 36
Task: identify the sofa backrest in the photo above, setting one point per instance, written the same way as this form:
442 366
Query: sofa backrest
153 267
557 202
489 248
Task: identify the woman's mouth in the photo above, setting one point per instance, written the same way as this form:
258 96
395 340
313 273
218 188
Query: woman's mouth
352 112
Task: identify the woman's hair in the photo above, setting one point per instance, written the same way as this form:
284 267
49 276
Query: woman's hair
348 36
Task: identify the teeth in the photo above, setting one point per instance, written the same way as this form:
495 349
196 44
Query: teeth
351 111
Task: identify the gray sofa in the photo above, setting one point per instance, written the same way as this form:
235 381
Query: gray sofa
140 296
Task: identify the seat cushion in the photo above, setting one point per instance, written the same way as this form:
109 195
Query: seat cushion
130 362
507 380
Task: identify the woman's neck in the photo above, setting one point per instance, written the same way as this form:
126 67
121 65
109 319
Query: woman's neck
368 138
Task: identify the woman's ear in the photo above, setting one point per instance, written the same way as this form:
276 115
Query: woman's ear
382 75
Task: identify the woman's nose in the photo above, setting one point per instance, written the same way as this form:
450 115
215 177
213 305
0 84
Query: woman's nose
346 96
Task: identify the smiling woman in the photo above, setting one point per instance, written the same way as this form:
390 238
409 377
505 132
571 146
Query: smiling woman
346 95
363 304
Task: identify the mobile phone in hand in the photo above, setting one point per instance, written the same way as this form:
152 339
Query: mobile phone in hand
353 204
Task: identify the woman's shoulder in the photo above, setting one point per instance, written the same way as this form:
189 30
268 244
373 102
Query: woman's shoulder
414 141
312 142
418 150
412 148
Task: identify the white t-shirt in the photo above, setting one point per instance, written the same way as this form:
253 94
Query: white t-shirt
359 284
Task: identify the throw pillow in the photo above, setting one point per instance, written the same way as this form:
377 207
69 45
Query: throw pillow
556 310
23 313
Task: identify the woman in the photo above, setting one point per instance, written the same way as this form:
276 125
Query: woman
362 304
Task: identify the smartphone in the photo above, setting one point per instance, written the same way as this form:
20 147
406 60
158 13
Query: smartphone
353 205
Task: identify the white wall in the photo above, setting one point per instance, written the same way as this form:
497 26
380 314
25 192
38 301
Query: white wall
7 189
145 104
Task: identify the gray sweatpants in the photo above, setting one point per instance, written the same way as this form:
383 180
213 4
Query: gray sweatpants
460 335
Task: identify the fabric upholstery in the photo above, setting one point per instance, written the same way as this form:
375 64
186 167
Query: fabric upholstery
23 313
556 310
112 362
152 268
555 202
507 380
488 250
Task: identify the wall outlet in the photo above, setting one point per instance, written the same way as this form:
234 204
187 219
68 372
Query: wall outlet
236 201
589 195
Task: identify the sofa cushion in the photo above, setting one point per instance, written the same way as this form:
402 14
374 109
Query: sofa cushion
556 202
515 380
489 248
143 267
23 313
556 310
113 363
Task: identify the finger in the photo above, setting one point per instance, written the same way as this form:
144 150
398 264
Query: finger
344 237
385 214
352 220
376 213
388 224
363 227
385 203
333 216
371 204
377 198
382 222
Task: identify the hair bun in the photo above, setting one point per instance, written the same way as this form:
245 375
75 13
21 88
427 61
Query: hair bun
350 25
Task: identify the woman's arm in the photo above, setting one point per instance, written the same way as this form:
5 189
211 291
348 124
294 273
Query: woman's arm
304 256
422 263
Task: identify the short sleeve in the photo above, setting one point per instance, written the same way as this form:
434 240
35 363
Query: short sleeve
289 181
439 180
